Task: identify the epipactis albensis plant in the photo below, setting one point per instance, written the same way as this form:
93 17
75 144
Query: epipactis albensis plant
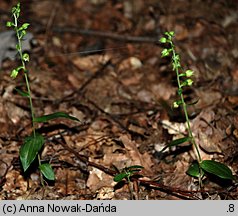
33 144
200 167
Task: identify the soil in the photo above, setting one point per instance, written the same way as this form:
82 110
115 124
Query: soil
100 61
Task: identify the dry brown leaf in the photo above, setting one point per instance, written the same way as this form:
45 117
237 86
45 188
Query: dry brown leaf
90 63
181 32
136 157
105 193
130 63
132 80
163 90
98 179
208 137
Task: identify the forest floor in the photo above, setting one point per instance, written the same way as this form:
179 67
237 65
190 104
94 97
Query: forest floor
100 61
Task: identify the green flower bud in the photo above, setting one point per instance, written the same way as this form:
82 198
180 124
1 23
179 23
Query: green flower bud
9 24
163 40
171 33
165 52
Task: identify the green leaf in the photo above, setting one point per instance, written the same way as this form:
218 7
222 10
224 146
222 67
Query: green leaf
30 148
120 176
46 118
22 93
176 142
193 170
47 171
216 168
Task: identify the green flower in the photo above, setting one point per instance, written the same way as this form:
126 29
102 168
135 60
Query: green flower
189 73
25 57
175 104
165 52
14 73
189 82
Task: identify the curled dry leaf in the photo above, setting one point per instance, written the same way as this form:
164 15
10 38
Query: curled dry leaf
98 179
105 193
130 63
207 136
137 158
90 63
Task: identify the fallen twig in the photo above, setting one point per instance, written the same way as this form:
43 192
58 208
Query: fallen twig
104 34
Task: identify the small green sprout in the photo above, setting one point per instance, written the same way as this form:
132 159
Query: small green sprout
127 173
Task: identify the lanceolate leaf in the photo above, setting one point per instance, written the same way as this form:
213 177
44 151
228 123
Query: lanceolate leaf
22 93
46 118
194 170
176 142
47 171
30 149
120 176
217 169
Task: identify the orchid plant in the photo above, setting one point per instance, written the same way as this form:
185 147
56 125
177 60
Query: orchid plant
33 144
200 167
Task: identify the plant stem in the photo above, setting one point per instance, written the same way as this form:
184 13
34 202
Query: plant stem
41 176
25 72
176 64
130 187
176 68
30 101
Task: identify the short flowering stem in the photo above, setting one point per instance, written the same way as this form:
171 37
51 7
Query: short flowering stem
24 69
176 68
30 101
200 167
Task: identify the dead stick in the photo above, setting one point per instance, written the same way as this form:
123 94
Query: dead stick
104 34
